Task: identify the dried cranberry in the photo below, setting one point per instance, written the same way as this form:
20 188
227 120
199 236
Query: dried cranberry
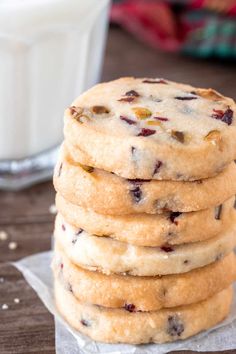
132 93
69 287
136 194
127 120
85 323
228 116
127 99
61 266
167 248
225 117
175 326
133 149
157 167
138 181
218 113
158 81
185 98
130 307
75 238
162 119
59 170
146 132
173 215
63 227
218 211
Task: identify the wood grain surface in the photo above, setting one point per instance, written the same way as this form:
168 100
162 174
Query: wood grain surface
27 327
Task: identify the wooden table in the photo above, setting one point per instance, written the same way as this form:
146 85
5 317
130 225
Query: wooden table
27 327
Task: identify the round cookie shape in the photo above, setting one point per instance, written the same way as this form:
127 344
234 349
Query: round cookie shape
144 293
152 129
120 326
110 256
106 193
151 229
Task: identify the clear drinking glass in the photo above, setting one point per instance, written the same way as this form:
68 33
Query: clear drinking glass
50 51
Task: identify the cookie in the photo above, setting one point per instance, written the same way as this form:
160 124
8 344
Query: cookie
106 193
121 326
111 256
152 129
151 230
144 293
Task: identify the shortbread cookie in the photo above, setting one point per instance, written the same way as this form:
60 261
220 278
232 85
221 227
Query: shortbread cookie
148 229
121 326
152 129
106 193
144 293
111 256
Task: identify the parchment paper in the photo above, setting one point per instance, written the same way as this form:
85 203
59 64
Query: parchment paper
37 271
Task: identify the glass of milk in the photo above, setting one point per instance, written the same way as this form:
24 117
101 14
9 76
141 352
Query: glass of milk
50 51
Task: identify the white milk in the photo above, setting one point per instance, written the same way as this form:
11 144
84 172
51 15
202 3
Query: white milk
50 51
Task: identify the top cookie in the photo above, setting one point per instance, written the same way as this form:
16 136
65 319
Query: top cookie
152 129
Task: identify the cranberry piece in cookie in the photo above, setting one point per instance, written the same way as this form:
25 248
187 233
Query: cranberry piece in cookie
185 98
218 211
127 99
224 116
136 194
59 170
130 307
175 326
167 248
162 119
157 167
75 238
132 93
85 323
146 132
128 120
173 216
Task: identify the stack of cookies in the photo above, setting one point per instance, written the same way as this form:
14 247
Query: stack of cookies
145 231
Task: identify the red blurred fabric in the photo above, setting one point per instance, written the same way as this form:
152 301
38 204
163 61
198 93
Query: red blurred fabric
151 21
158 24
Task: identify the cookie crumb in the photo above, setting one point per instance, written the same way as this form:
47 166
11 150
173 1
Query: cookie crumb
12 245
16 300
3 235
52 209
5 307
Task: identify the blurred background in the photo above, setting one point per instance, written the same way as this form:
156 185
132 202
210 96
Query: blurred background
185 40
201 28
42 69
